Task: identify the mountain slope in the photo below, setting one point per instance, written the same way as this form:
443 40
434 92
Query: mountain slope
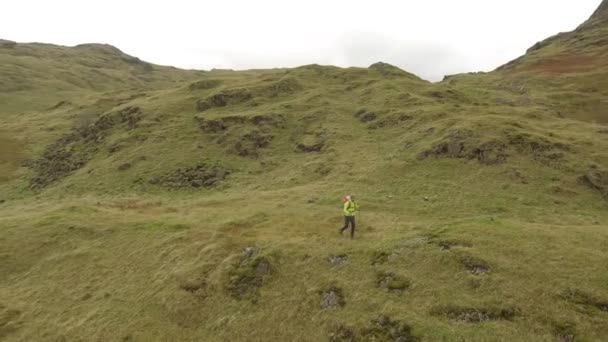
33 75
566 72
208 208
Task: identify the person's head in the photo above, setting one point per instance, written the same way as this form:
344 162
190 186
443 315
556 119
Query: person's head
348 197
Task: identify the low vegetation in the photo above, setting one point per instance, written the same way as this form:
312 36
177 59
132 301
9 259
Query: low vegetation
142 203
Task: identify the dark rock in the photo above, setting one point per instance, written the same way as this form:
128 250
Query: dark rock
202 175
332 297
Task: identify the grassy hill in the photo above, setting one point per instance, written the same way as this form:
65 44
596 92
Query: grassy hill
143 203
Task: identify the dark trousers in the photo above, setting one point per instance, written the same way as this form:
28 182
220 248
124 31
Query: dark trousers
349 220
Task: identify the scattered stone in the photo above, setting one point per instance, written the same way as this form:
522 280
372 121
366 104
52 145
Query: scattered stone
248 252
332 297
338 259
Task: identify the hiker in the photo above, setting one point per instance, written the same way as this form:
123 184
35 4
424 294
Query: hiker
350 209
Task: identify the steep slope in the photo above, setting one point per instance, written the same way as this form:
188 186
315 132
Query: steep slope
567 72
208 208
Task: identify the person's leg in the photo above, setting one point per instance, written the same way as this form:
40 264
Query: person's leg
345 225
352 230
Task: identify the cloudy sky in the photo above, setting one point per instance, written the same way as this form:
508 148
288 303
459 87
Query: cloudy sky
430 38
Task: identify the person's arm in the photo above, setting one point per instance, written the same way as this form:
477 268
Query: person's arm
346 208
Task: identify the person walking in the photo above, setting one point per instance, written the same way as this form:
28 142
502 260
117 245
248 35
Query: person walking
351 207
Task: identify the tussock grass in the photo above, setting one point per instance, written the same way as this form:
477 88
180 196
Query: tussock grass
184 205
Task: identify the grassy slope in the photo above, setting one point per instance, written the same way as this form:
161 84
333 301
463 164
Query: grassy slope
102 254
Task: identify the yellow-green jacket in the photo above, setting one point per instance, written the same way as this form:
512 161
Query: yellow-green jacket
350 208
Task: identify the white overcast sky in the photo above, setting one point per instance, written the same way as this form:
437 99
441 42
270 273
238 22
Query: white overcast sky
430 38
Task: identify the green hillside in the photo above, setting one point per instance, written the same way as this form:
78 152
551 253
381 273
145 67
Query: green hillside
147 203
